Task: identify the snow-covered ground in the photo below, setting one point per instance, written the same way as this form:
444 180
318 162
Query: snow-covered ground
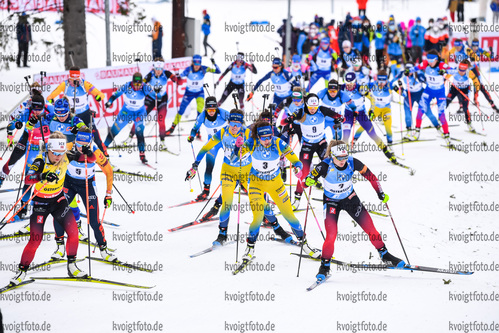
202 295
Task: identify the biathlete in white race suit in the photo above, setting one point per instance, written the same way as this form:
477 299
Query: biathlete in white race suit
337 170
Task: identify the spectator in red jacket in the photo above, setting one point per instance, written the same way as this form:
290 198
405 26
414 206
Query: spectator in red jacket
362 7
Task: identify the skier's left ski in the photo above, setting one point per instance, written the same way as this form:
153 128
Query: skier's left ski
50 262
122 264
384 267
477 133
210 249
318 283
243 265
190 224
3 190
12 286
147 164
104 221
93 280
166 150
400 165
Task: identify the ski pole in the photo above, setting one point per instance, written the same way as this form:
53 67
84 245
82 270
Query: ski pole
88 217
304 229
129 207
207 203
14 205
156 126
312 209
400 115
7 146
238 204
205 86
194 155
25 163
234 96
400 240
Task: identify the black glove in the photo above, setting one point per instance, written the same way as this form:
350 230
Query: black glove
74 130
400 83
18 125
356 114
108 104
442 71
396 88
72 155
212 61
33 120
190 138
49 176
339 119
407 72
98 98
195 165
86 150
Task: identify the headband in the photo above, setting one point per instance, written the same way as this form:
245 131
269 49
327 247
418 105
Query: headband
265 130
56 144
236 117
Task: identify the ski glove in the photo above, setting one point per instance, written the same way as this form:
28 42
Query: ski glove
108 104
190 138
442 71
383 197
10 139
108 200
407 72
239 141
192 171
371 115
297 171
309 181
18 125
49 176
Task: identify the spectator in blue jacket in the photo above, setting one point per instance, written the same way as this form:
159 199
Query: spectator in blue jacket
24 38
417 36
206 27
494 5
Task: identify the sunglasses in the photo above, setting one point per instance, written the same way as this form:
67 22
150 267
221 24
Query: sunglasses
61 115
57 153
333 90
341 158
266 138
276 67
235 123
80 145
462 69
297 100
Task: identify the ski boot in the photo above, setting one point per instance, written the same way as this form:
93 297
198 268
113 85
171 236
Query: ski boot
439 130
170 130
106 254
460 111
324 269
447 140
162 145
389 259
2 178
23 212
213 212
314 253
60 251
389 154
470 127
495 108
20 275
250 252
296 203
221 238
203 195
143 158
279 231
81 236
73 270
23 231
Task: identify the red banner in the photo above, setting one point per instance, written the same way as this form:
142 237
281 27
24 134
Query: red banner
92 6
